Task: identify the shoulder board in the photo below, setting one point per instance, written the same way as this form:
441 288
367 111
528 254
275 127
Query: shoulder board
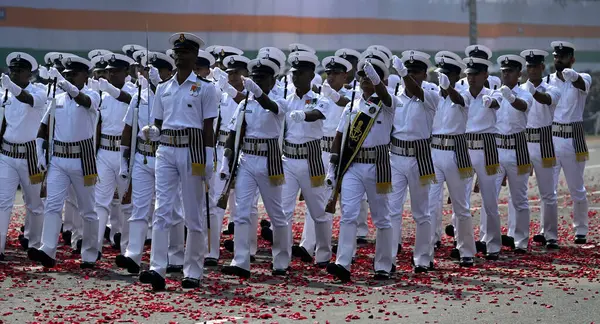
462 82
203 79
548 79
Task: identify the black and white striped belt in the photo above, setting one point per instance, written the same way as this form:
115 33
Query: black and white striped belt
222 137
68 150
326 143
16 150
562 130
298 151
507 142
146 148
175 138
443 142
256 146
110 142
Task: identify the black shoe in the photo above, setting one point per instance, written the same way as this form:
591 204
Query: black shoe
21 236
190 283
399 248
265 223
552 245
334 248
539 238
147 242
127 263
455 254
87 265
228 245
339 272
171 268
302 253
235 271
33 255
449 230
23 229
66 236
77 249
381 275
107 233
117 239
252 259
322 265
508 241
481 247
231 228
267 234
45 259
466 262
211 262
431 266
520 251
99 257
24 243
420 269
438 244
2 257
580 239
152 277
494 256
361 240
279 272
393 269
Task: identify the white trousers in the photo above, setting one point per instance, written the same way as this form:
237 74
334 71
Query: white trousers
489 229
72 220
62 173
141 216
546 189
252 174
446 170
174 169
109 163
358 180
12 173
405 174
573 170
363 224
297 178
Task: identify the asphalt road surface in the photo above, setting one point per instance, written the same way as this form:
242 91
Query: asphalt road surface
539 287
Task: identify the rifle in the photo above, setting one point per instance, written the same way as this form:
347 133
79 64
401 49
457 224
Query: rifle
132 147
239 136
330 208
50 148
2 120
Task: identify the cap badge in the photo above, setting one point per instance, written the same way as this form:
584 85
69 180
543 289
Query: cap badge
18 57
412 60
506 60
560 46
69 60
332 61
182 38
222 53
531 53
476 49
102 60
60 56
296 60
471 62
344 54
258 63
113 58
154 57
231 60
442 61
296 48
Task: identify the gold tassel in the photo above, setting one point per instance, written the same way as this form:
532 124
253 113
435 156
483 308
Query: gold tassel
466 173
317 181
383 187
549 162
36 178
524 169
492 169
90 180
582 156
198 169
427 179
277 180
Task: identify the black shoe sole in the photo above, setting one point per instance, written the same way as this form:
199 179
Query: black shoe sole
420 269
492 256
66 236
235 271
190 283
381 275
279 273
228 245
455 254
174 269
24 243
539 238
508 241
267 234
87 265
153 278
339 272
302 253
449 230
210 262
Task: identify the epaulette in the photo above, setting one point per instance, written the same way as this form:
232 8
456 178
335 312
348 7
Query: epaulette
548 78
462 82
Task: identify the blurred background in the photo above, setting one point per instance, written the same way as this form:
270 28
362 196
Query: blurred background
505 26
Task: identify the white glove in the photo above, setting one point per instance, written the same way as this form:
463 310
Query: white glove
229 89
371 73
507 94
570 75
54 74
41 158
43 73
443 81
128 78
151 133
224 172
328 92
530 87
154 76
487 101
219 74
399 66
68 88
330 177
298 116
142 81
124 169
93 84
252 87
9 85
210 163
104 85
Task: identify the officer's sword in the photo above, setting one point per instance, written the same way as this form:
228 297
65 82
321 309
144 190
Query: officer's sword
148 89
